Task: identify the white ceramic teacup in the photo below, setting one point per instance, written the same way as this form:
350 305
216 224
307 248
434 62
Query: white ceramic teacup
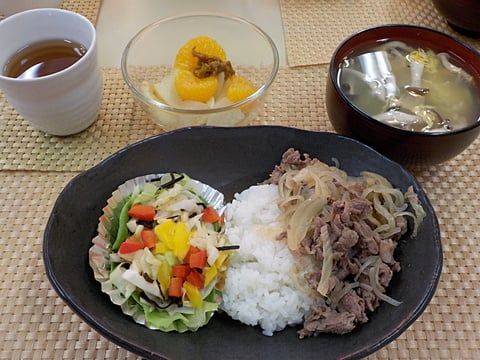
62 103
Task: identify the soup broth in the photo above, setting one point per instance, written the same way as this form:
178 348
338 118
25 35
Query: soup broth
43 58
410 88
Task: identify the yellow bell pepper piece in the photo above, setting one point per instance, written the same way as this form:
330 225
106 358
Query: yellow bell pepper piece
180 240
210 274
164 273
164 232
193 294
160 248
172 236
221 259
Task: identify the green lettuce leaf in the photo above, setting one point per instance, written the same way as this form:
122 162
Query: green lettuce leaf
180 322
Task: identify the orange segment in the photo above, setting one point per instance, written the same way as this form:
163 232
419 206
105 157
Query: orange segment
239 88
202 44
189 87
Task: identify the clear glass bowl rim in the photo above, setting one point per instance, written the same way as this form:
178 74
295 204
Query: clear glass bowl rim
149 101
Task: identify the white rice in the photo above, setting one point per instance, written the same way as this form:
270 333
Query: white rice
261 285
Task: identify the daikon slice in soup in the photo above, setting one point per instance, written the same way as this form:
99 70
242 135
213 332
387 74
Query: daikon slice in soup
411 88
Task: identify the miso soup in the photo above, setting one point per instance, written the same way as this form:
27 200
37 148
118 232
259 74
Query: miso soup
411 88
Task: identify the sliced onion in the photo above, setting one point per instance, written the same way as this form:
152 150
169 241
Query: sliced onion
136 279
338 294
327 266
382 210
166 89
301 220
378 289
390 233
420 214
369 261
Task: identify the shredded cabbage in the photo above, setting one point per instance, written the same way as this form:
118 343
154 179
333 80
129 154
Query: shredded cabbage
132 279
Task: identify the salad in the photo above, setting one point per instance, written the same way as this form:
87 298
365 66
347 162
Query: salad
161 252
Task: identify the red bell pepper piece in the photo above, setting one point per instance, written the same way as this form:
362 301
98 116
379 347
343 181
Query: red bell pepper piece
210 215
196 279
149 238
128 247
142 212
180 271
175 288
198 259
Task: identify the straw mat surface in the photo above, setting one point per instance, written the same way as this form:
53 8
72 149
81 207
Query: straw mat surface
35 322
314 28
88 8
296 99
24 147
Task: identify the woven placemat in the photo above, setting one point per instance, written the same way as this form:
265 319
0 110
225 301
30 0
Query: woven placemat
122 122
296 99
88 8
36 324
314 28
25 148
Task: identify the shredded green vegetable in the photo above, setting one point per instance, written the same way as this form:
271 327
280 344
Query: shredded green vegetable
123 218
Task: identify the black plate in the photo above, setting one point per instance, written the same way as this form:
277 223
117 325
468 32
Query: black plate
230 159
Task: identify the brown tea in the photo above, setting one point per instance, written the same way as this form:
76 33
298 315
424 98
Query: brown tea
43 58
